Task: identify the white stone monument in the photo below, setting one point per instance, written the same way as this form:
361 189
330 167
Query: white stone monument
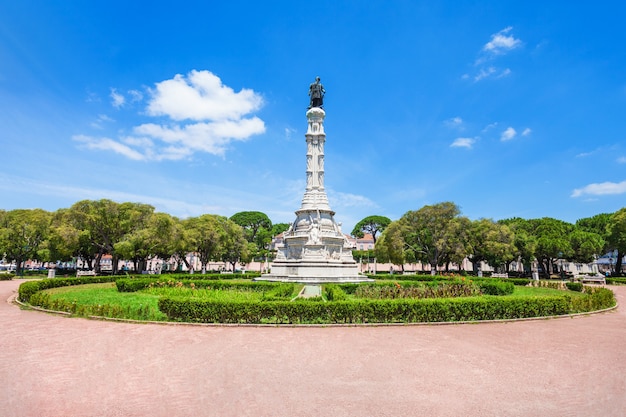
315 249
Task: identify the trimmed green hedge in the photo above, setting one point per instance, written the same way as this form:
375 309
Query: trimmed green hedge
616 281
365 311
208 276
495 287
574 286
27 289
6 277
137 284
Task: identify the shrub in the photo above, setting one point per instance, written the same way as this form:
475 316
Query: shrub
279 291
616 281
496 287
137 284
597 298
519 281
574 286
392 290
27 289
364 311
334 292
6 277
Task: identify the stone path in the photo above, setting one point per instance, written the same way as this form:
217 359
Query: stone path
55 366
310 291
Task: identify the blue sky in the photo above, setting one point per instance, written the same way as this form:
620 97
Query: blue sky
504 108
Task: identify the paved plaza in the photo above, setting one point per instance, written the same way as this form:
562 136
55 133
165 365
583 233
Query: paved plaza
56 366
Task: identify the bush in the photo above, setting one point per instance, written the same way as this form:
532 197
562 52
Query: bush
27 289
209 276
519 281
496 287
137 284
390 290
616 281
6 277
597 298
334 292
364 311
574 286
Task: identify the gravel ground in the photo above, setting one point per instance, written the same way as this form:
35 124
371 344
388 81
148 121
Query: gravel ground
56 366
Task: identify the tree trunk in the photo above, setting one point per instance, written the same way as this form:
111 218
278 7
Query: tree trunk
618 263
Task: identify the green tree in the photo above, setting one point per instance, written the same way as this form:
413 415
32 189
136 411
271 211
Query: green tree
617 236
597 224
205 235
152 239
252 222
103 223
391 246
553 241
524 242
373 225
278 228
585 245
22 234
234 246
427 233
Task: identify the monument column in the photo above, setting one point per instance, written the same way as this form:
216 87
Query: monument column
315 249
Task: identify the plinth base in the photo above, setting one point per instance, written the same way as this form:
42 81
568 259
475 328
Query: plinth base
314 273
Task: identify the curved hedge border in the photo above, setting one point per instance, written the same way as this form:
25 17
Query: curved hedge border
138 284
207 276
27 289
384 311
342 311
365 311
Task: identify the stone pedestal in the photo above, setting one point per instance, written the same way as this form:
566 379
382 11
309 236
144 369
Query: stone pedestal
315 249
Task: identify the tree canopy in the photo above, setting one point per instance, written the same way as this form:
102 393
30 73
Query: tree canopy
373 225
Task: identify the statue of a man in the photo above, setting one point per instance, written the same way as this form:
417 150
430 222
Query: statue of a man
316 92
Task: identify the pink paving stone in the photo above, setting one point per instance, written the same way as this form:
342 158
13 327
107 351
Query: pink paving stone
56 366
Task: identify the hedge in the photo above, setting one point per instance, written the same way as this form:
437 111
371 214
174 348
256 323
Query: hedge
365 311
6 277
208 276
615 281
137 284
27 289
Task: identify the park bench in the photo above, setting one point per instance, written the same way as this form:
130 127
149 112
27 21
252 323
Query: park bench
505 275
596 279
85 273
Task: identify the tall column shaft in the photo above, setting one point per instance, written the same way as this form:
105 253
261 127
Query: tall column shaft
315 197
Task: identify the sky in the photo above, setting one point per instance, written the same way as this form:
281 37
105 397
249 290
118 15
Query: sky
507 109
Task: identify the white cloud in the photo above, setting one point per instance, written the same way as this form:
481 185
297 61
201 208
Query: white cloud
502 42
201 96
621 160
342 200
490 126
463 143
118 99
135 95
484 73
108 145
454 122
206 116
289 132
102 118
527 132
508 134
603 188
504 73
210 137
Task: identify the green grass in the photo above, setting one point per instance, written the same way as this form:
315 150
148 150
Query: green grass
105 300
